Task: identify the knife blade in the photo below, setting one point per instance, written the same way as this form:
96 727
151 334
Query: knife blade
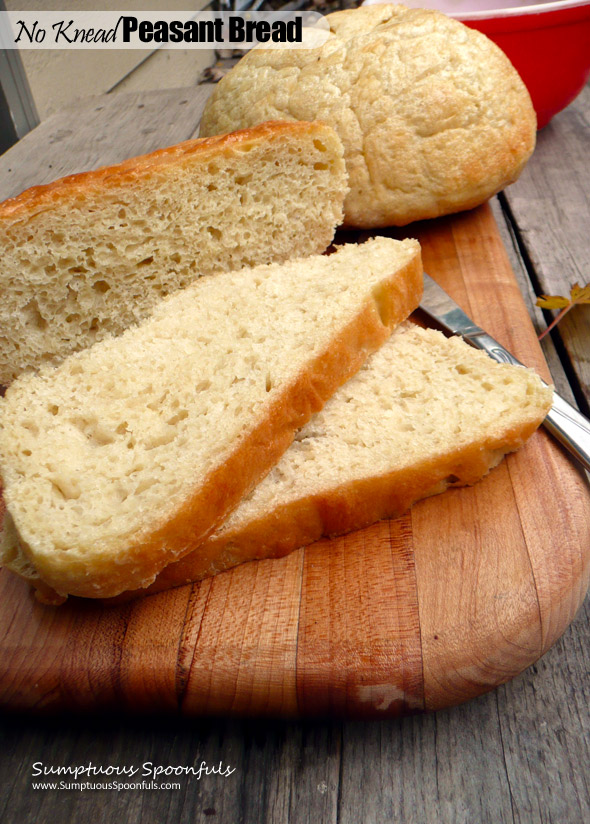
564 422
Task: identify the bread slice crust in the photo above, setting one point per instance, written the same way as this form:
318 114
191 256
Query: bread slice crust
128 172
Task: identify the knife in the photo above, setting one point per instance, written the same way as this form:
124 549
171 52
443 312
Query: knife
564 422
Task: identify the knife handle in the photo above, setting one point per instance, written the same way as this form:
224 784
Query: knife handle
564 422
570 428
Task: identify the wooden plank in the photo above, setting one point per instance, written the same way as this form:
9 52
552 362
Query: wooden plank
81 137
545 731
550 204
443 768
506 230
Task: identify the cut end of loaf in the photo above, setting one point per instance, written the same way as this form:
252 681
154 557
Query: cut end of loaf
87 256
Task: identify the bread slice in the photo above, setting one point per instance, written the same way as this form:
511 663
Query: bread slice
91 254
423 414
130 453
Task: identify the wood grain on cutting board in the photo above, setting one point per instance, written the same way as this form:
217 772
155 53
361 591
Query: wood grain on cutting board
431 609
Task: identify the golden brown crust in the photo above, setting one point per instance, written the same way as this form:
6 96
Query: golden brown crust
121 175
258 451
339 510
433 117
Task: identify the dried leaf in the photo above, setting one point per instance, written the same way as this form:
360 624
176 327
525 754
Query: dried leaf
552 302
578 294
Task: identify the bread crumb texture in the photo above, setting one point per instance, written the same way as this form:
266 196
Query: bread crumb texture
420 397
111 462
424 413
433 116
91 254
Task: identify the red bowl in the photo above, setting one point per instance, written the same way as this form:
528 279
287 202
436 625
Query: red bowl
548 43
549 46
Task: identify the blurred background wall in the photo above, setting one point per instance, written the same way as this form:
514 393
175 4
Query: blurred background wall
41 82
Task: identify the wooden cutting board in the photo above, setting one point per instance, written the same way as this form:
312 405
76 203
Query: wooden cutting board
454 598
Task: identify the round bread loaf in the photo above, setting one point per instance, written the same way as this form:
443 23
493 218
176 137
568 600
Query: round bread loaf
433 116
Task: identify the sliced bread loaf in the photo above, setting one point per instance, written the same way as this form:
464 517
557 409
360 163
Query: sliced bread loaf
130 453
91 254
424 413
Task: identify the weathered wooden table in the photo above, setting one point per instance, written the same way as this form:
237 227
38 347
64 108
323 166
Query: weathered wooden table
518 754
